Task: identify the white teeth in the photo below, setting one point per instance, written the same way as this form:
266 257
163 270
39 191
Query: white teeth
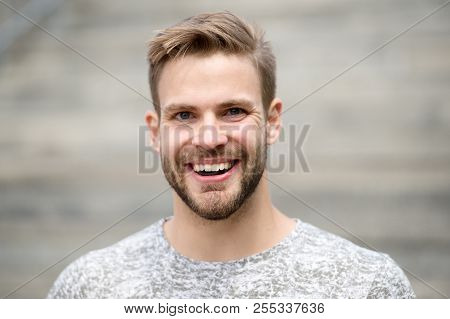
212 167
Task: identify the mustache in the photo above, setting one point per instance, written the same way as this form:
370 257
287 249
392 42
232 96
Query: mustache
192 155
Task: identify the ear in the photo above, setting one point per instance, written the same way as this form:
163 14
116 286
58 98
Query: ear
153 126
273 123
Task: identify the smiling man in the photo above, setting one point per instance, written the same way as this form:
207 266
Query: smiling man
212 79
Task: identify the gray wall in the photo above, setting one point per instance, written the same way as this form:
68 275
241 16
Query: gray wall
377 150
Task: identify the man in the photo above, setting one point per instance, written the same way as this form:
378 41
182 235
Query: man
212 79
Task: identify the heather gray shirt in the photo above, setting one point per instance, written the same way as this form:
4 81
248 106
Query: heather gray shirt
308 263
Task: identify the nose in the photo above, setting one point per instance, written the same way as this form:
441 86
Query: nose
209 136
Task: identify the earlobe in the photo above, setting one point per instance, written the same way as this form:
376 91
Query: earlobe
153 127
274 120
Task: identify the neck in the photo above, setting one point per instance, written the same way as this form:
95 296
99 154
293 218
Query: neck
255 227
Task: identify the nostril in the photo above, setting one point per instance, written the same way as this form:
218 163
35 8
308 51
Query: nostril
210 139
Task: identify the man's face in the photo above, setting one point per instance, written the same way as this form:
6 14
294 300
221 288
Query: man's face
212 131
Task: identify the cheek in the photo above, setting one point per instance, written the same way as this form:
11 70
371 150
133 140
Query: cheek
248 136
173 138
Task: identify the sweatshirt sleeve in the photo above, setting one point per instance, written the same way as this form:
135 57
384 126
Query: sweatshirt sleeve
390 283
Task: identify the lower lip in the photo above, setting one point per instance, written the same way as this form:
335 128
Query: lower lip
213 178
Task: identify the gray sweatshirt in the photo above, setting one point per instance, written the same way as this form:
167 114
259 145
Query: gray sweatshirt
308 263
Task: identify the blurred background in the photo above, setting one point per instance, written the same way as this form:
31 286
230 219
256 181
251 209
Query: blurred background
377 149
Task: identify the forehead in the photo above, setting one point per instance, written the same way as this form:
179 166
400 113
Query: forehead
208 80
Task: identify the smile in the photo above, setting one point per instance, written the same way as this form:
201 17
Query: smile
213 169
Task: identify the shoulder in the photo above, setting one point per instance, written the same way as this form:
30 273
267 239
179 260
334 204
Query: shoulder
335 248
390 282
92 275
75 280
358 272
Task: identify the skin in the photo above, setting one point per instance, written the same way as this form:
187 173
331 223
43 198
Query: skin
211 107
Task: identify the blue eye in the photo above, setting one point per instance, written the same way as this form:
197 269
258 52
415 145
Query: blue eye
183 116
235 111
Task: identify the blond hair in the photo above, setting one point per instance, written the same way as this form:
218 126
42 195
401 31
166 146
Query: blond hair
208 33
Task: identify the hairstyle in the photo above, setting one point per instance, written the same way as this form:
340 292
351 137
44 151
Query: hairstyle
209 33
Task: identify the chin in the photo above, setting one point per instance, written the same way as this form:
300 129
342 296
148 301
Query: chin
214 205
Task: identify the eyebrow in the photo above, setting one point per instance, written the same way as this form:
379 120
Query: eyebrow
189 107
235 102
177 107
